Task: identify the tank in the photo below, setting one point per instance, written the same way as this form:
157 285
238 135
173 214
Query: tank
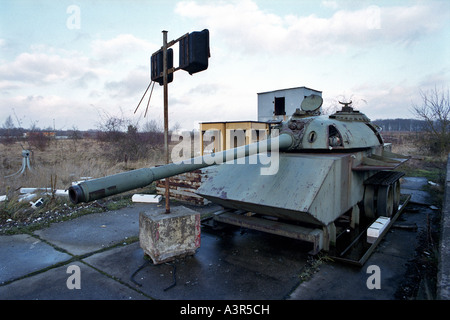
327 166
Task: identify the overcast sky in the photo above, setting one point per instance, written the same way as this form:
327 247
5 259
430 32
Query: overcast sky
67 63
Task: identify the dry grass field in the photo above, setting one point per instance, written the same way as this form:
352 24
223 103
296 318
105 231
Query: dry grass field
421 163
58 165
63 161
402 142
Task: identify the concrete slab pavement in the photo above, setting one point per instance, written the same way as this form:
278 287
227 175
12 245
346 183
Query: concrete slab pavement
341 282
93 232
17 251
229 265
241 266
414 187
51 285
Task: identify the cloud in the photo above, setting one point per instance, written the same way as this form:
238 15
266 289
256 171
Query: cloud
329 4
43 65
405 25
40 110
37 68
440 78
46 68
389 99
6 87
86 79
120 47
245 26
132 84
46 82
242 23
207 89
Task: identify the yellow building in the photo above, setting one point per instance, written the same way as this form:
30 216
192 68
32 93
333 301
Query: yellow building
219 136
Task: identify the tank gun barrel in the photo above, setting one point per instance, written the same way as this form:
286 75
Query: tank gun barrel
91 190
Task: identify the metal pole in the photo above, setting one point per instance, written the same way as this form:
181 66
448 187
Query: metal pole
166 115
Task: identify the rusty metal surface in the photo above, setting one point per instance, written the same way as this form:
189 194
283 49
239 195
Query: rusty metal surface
384 177
184 186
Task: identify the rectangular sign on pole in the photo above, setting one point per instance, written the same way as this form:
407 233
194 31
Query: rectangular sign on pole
157 68
194 51
194 55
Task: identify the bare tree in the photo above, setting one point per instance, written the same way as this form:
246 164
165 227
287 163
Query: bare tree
435 111
74 134
122 140
9 123
8 127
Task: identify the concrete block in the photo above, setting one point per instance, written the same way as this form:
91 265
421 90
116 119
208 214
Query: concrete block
146 198
165 237
376 228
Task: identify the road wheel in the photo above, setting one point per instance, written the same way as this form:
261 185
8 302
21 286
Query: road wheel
370 201
385 201
396 195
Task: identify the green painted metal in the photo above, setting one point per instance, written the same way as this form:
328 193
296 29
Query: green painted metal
311 188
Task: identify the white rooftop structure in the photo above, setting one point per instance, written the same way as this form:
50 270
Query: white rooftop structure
280 104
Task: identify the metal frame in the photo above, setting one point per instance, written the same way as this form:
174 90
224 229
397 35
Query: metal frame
362 260
314 236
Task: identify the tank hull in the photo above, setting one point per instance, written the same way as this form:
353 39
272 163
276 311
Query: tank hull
312 188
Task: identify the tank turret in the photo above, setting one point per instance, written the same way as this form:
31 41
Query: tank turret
343 130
